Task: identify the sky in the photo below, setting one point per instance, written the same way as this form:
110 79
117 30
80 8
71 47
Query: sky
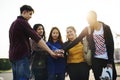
59 13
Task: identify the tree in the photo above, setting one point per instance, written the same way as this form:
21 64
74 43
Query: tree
5 64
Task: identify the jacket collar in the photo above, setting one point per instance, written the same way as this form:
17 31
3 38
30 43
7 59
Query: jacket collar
21 17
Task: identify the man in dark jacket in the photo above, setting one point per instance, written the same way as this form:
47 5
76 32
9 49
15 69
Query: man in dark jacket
101 44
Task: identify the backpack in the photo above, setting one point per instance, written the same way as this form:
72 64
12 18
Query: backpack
87 51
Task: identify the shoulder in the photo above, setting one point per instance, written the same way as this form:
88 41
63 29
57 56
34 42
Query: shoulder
107 29
47 43
85 30
105 26
22 21
66 43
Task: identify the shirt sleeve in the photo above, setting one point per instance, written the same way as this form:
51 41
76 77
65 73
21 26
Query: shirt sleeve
109 44
30 32
77 40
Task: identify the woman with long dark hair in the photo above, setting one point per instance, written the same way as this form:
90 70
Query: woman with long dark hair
39 55
56 67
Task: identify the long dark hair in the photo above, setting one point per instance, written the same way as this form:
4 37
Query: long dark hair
50 39
35 27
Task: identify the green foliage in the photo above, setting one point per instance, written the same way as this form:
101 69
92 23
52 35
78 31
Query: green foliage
5 64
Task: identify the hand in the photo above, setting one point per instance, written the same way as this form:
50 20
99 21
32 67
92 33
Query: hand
109 65
54 55
62 51
59 53
66 74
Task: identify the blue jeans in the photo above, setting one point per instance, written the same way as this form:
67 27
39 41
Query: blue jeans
21 69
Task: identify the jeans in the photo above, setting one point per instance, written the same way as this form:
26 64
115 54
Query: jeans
21 69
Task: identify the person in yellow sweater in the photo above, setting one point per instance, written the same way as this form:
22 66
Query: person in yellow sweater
77 68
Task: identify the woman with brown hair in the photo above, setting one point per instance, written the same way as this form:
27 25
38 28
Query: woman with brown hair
78 69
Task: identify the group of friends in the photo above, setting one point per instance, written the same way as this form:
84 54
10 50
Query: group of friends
29 51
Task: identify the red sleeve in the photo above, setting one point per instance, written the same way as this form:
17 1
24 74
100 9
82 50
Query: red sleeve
30 32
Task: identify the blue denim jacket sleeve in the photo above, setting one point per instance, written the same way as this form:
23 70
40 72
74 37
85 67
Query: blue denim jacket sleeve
52 47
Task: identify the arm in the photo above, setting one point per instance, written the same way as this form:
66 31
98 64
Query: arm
59 52
42 44
33 45
76 41
31 33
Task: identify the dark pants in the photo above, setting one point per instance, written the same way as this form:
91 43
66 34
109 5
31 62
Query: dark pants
78 71
59 76
39 66
97 66
40 74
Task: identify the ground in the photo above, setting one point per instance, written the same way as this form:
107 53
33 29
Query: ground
8 75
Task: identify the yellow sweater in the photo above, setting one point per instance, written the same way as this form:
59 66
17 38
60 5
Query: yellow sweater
76 54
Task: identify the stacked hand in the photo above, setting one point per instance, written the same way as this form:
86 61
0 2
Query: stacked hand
59 53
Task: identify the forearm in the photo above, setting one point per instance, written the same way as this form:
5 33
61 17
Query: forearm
44 46
76 41
73 43
70 45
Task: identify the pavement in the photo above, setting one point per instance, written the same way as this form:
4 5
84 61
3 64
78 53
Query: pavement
8 75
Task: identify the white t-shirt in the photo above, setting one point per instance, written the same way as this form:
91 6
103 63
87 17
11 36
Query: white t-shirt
100 45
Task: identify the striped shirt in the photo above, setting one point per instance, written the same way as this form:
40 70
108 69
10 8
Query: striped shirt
100 45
